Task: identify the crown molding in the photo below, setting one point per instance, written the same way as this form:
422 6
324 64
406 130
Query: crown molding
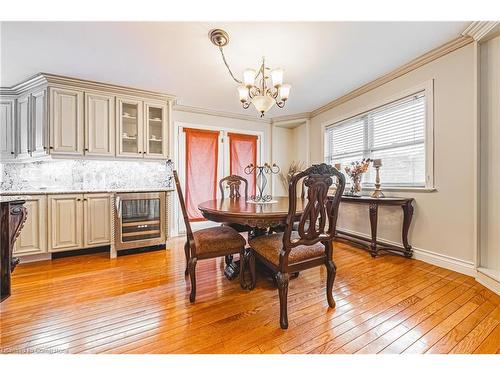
402 70
291 118
479 30
211 112
40 79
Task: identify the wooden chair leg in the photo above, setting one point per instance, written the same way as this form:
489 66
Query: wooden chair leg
282 280
192 276
243 262
187 254
251 265
331 271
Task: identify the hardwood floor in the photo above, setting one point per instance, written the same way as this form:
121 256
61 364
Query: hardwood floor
139 304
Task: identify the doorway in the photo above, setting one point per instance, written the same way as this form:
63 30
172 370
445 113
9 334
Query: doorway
204 155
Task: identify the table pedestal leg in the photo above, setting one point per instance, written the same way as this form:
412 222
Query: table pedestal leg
407 216
232 269
373 226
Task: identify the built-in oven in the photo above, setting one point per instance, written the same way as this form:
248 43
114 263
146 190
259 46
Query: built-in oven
139 220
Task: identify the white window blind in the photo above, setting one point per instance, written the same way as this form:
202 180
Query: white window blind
394 133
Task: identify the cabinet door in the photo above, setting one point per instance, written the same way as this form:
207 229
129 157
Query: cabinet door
97 216
39 123
66 121
130 128
99 124
7 144
156 124
65 222
23 125
33 236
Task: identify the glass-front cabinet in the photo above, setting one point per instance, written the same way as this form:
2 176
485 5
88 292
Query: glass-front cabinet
143 129
156 130
130 128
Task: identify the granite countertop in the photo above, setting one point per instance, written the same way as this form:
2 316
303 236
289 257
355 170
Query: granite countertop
9 194
10 198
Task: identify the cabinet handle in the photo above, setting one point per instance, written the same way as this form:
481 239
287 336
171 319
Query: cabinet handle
85 199
51 147
86 149
78 199
12 152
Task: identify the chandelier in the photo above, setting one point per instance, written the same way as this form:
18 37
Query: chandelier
261 87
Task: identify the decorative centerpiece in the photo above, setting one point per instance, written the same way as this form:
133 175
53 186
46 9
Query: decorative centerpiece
261 171
355 170
377 193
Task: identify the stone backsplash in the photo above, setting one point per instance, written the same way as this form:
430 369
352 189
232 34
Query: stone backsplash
85 175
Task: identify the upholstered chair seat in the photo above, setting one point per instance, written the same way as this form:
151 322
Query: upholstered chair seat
217 241
269 246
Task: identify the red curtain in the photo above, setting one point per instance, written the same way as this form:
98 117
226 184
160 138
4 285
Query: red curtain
242 152
201 169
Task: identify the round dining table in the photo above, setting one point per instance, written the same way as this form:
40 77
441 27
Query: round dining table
257 216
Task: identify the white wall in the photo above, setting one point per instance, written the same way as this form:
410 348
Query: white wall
490 157
290 144
444 219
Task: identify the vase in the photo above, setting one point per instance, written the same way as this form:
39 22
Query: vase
355 189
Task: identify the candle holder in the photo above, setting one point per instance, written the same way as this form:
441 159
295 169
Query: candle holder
261 171
377 193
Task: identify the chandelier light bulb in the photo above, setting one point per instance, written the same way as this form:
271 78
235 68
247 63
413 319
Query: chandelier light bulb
284 91
277 77
243 93
249 77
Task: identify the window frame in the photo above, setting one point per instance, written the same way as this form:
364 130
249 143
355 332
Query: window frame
428 90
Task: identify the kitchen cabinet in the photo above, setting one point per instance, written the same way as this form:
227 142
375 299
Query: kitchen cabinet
99 124
97 216
156 134
130 128
66 122
23 125
79 221
33 236
38 127
65 222
7 135
68 117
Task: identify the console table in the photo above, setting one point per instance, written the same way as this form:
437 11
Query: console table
12 217
371 242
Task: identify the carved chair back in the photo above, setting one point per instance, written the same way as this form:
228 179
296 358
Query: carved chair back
318 220
234 183
182 203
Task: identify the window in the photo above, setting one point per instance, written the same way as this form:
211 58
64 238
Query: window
395 133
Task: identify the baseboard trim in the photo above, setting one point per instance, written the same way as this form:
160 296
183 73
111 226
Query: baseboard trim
34 257
431 257
488 282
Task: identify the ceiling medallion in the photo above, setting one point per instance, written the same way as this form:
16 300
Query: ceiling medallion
263 87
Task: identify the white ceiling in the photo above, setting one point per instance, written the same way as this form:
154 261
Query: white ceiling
322 60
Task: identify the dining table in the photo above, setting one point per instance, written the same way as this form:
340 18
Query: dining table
257 216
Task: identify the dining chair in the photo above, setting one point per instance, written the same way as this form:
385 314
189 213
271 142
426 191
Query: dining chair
234 182
311 245
208 243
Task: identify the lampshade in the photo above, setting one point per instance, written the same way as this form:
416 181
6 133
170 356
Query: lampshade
243 93
285 91
277 77
263 103
249 77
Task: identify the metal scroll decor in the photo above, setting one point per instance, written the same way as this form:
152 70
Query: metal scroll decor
261 171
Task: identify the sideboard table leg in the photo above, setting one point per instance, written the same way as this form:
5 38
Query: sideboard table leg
373 226
407 216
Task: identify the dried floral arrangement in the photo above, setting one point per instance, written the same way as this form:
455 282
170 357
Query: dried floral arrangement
357 168
295 167
354 171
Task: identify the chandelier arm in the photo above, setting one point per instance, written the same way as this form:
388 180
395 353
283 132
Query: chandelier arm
227 66
280 104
